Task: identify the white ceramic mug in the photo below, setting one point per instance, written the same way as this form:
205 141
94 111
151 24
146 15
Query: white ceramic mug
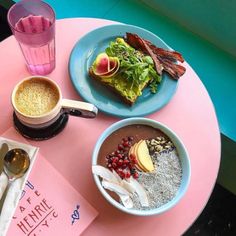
36 93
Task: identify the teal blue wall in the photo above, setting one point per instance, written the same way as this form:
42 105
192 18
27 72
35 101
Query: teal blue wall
214 20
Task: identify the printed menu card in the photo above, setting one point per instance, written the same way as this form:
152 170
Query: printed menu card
49 205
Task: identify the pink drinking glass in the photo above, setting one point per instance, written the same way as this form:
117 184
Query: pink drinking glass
33 24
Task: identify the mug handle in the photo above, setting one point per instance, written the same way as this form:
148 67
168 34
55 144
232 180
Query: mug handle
77 108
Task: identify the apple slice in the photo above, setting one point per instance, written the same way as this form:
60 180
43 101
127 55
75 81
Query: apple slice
143 156
133 151
140 165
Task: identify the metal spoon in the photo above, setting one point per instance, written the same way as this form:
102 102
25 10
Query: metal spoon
16 163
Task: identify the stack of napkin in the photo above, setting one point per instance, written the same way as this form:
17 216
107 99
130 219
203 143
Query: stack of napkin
15 190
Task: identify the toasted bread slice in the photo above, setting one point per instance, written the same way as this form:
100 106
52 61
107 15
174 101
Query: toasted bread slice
127 92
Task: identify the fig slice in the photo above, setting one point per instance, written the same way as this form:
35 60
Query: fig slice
105 66
102 64
114 67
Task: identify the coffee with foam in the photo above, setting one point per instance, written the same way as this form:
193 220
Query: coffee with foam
36 97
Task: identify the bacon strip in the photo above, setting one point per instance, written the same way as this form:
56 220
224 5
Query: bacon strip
135 41
175 70
172 55
163 59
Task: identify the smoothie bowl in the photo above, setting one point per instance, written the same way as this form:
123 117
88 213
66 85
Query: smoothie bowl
141 166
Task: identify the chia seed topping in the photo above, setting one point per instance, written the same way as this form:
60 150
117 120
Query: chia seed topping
162 184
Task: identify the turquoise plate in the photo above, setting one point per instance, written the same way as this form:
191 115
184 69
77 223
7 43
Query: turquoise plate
82 57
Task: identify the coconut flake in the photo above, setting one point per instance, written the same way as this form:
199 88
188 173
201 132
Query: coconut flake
127 201
120 191
128 186
104 173
140 192
115 188
117 176
123 188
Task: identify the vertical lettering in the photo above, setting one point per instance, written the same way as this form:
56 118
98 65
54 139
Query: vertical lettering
26 221
22 227
33 215
38 209
44 201
43 206
36 216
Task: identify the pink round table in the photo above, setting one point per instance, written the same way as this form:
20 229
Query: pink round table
190 114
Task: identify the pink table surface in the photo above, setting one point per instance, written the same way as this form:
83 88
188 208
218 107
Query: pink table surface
190 114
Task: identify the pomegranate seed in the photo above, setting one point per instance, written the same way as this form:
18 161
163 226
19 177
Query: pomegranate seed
115 160
120 162
130 138
117 152
121 151
135 175
124 166
118 170
129 145
124 140
122 174
130 166
127 175
120 147
124 155
126 144
114 165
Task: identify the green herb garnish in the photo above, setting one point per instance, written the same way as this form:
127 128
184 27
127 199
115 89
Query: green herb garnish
134 65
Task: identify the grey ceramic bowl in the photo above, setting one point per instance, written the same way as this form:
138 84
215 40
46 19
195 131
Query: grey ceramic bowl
183 155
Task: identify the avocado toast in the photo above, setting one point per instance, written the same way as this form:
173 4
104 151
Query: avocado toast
125 70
